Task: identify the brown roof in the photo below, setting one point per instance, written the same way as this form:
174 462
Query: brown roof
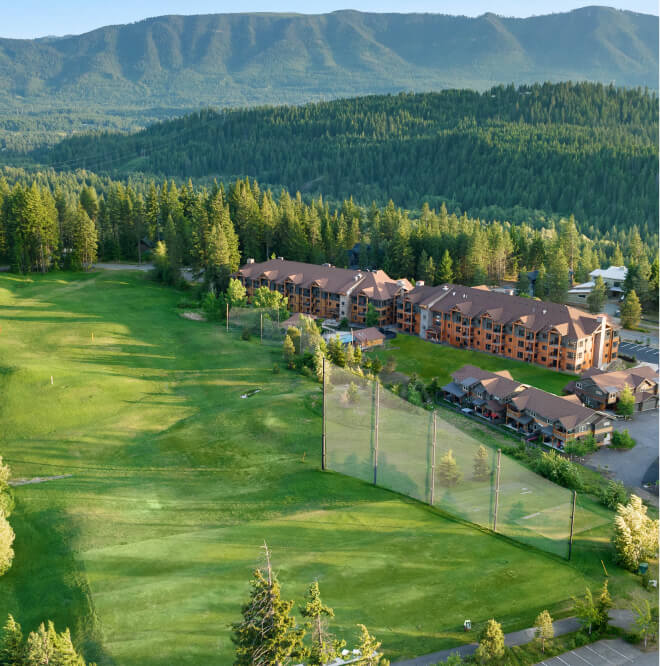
500 384
294 319
375 285
371 334
633 377
537 316
552 407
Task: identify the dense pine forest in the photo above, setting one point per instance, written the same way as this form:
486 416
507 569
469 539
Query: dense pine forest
67 220
520 154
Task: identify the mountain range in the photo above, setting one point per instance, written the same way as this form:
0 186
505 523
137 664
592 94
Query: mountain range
161 66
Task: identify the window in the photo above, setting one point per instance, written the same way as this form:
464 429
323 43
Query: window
521 343
487 347
520 354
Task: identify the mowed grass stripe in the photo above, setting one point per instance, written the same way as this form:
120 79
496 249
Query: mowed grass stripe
146 551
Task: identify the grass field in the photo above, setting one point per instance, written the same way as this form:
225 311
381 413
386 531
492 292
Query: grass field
147 549
430 360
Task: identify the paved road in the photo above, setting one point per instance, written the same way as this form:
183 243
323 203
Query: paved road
604 653
640 352
631 466
567 626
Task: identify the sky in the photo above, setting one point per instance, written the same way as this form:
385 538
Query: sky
24 19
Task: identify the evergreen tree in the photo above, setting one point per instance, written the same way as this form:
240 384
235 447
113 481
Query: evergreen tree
372 316
323 649
445 270
481 468
631 311
543 628
448 473
336 351
268 634
541 284
11 645
596 299
85 239
522 286
558 279
368 648
491 643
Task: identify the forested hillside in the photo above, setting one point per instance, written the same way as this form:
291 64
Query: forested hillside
123 75
508 153
55 220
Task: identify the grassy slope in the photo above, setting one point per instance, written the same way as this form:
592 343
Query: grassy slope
429 360
146 551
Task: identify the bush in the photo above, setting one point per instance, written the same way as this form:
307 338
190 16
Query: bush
621 439
560 470
276 369
307 371
245 334
580 447
613 494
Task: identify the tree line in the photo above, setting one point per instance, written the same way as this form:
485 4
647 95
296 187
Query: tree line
67 223
563 148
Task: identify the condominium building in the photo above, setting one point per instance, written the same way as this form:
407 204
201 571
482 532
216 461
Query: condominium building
326 291
549 334
601 390
555 420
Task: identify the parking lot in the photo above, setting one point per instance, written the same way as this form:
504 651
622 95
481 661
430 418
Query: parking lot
604 653
640 352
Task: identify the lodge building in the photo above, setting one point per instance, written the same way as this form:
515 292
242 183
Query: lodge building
326 291
556 336
549 334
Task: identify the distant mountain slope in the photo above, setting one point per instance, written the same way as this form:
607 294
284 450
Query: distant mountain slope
184 62
584 148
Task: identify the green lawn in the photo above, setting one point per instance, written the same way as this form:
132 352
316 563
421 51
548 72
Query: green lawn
147 549
429 360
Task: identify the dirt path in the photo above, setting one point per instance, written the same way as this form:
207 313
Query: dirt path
37 479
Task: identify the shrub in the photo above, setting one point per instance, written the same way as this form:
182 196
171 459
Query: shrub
307 372
245 334
613 494
560 470
580 447
621 439
276 369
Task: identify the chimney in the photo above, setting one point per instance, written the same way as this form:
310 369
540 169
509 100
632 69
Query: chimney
250 260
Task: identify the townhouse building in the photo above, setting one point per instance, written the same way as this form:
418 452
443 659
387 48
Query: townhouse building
601 390
549 334
326 291
498 398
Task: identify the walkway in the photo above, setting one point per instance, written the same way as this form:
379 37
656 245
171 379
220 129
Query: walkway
567 626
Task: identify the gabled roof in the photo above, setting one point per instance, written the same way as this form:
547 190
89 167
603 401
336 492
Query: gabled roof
566 410
613 382
611 273
500 384
376 285
371 334
536 316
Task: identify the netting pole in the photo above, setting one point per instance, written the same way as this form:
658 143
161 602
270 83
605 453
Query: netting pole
570 538
433 460
261 327
376 433
227 317
497 489
323 422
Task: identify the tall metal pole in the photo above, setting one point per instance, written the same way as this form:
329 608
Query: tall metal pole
433 459
570 538
261 327
376 434
227 317
497 489
323 422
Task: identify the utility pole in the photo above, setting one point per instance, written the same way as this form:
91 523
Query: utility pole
497 489
433 459
323 449
227 317
261 327
570 538
376 433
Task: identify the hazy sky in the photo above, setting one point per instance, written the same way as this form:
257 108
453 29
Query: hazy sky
36 18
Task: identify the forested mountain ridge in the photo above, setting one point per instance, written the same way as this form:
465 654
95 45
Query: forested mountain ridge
143 71
583 149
